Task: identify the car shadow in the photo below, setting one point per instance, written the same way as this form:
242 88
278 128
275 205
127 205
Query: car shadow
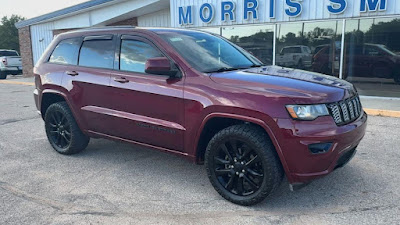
331 193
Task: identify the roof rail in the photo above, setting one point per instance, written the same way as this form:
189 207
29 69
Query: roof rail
105 28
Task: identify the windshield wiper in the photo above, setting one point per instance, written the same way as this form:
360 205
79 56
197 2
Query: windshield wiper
224 69
255 66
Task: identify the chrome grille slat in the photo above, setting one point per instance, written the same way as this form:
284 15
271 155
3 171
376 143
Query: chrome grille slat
351 110
356 107
345 111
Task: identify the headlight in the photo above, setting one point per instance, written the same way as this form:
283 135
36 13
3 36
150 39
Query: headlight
307 112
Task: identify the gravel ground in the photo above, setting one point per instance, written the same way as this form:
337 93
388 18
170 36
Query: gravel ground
115 183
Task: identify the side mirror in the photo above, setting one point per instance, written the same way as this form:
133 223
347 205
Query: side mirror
160 66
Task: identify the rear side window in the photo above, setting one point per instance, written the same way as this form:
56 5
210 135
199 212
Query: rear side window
66 52
97 53
134 55
8 53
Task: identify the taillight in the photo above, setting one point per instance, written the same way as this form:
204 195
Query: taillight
4 61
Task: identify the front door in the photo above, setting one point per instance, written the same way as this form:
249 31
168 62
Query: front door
147 108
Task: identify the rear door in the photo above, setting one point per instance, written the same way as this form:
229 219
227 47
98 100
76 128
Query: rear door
147 108
89 82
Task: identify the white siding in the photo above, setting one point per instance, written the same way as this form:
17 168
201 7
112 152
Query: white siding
42 34
161 18
312 10
41 37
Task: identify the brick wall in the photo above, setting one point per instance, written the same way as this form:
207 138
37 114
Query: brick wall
25 45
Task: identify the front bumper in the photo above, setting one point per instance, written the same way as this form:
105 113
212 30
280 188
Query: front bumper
37 100
302 165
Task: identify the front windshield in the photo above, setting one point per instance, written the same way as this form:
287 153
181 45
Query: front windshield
208 53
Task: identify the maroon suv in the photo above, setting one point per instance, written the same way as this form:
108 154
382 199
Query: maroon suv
197 95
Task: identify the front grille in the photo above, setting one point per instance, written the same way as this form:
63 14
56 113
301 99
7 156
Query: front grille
345 111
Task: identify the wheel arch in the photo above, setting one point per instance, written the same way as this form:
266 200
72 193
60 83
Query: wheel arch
218 121
51 96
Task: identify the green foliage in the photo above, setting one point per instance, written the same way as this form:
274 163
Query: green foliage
9 33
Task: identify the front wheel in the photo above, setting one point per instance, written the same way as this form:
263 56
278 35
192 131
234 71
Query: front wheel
242 164
62 130
397 79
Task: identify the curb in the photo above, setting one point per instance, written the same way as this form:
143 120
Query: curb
16 82
384 113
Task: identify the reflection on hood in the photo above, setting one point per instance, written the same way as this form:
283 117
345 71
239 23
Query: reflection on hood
302 75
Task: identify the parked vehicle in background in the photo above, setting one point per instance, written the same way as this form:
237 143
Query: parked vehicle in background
10 63
367 60
298 57
197 95
326 61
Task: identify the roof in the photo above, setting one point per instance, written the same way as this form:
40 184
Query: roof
62 12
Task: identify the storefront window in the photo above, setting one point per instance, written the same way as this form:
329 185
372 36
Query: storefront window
258 40
310 46
372 60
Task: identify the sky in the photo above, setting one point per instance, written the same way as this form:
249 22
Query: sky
33 8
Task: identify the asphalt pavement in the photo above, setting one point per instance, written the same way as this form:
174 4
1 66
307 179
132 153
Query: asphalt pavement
116 183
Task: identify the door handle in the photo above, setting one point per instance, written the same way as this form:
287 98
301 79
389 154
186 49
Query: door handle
72 73
121 80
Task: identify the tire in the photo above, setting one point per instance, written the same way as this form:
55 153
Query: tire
250 176
397 79
62 130
381 70
3 75
300 65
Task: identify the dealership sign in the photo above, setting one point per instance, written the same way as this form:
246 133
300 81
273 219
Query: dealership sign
220 12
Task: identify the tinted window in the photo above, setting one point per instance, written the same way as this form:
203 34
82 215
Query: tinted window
134 55
66 52
97 53
307 50
8 53
371 50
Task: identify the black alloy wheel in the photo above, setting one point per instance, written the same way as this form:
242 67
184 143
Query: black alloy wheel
242 164
238 167
62 130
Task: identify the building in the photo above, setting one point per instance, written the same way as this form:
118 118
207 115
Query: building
356 40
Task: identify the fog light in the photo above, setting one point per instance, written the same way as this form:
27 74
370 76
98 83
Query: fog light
319 148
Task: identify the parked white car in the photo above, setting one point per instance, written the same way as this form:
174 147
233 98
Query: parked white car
10 63
298 56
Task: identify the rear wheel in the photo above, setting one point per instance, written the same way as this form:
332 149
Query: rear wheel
300 65
62 130
242 164
3 75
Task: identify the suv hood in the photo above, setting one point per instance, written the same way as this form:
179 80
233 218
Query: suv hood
302 86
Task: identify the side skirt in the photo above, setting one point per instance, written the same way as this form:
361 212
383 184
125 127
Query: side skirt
113 138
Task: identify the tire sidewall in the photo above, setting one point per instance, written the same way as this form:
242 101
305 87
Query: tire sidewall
52 109
268 182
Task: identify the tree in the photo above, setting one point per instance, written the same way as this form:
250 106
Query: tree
9 33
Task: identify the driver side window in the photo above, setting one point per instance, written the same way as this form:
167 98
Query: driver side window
134 55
